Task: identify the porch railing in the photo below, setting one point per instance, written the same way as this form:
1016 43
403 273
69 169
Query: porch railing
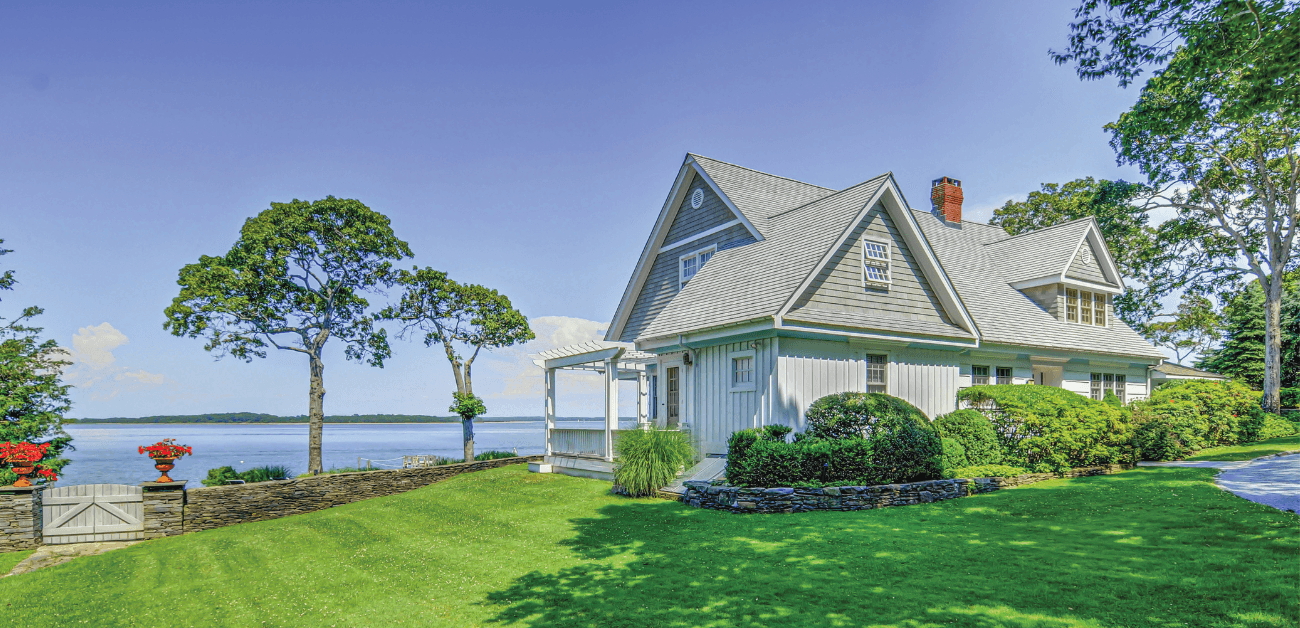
579 442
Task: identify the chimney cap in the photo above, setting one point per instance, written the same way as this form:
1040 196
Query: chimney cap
943 180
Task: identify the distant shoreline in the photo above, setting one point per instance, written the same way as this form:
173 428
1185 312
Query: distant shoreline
329 420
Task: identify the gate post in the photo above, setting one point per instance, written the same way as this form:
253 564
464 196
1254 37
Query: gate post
20 517
164 508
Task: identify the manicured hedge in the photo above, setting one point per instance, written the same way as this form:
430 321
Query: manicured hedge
1185 416
1044 428
974 432
853 438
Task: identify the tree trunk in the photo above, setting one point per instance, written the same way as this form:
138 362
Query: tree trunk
316 414
467 429
1272 401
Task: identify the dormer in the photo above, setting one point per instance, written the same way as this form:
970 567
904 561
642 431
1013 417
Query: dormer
1066 269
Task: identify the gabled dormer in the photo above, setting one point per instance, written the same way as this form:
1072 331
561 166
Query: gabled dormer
1066 269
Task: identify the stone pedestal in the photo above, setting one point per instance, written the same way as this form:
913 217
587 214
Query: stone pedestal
20 518
164 508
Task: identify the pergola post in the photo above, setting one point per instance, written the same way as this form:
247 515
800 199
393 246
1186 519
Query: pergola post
549 412
611 405
642 401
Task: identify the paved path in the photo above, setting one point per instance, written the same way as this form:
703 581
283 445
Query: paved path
1271 480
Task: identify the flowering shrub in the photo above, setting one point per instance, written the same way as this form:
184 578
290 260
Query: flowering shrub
22 452
48 474
166 448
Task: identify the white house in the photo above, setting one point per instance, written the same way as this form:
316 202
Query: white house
756 294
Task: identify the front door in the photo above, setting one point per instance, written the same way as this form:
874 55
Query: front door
672 397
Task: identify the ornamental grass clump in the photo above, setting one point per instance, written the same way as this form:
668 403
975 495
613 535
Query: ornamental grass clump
648 460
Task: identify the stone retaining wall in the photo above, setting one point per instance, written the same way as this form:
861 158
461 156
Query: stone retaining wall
20 518
218 506
703 494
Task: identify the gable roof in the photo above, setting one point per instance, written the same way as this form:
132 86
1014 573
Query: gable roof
1180 371
763 279
752 195
1004 314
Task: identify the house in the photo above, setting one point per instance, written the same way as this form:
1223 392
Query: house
756 294
1169 372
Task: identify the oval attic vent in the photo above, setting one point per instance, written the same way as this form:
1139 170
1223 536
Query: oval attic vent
697 198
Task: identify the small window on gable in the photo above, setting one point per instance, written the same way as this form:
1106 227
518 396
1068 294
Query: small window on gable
691 263
875 262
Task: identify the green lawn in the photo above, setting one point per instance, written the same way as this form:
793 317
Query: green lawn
1249 451
9 559
1148 547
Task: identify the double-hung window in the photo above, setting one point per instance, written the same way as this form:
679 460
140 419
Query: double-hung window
1099 309
875 262
691 263
1103 383
979 375
876 378
1084 307
1004 375
1071 305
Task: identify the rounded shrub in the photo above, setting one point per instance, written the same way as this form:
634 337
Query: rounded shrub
904 446
850 414
1185 416
954 454
974 432
648 460
1045 428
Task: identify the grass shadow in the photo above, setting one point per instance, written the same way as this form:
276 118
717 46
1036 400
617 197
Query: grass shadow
1150 547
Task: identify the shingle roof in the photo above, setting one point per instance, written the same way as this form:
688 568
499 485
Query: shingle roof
1003 314
1178 370
759 195
755 280
1047 251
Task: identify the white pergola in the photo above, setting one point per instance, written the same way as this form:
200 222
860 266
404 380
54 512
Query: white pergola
616 361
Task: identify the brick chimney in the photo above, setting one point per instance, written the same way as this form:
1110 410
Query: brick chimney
945 194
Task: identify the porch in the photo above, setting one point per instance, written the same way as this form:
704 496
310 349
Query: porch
586 451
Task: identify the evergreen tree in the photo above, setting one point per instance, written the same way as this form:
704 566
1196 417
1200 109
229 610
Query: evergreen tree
1241 354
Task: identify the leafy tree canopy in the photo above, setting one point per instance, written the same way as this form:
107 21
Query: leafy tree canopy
1241 354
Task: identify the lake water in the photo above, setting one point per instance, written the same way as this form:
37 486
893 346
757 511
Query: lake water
108 454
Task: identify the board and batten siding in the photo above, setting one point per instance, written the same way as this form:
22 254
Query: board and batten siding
1089 270
661 284
716 410
839 286
925 379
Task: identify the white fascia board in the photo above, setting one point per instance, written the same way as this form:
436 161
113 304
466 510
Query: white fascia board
651 251
1106 261
1071 282
727 201
706 334
790 327
703 234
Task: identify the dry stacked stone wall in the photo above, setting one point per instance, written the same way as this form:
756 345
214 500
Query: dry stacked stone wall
702 494
20 518
218 506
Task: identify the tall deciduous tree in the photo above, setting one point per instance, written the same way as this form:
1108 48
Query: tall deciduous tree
1241 353
33 397
1124 226
1216 130
1194 328
460 317
293 281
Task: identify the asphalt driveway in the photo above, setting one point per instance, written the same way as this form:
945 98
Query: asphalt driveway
1272 480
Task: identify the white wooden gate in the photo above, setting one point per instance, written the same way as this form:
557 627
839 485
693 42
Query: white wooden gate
93 512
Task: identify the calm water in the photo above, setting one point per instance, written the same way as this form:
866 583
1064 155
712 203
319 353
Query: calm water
107 454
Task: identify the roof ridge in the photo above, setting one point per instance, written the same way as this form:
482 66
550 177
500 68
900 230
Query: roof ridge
1044 229
831 195
774 176
970 222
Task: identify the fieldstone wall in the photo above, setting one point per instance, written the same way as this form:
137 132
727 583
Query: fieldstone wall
20 518
702 494
164 508
218 506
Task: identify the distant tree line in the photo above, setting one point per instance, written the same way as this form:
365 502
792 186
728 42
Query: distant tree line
257 417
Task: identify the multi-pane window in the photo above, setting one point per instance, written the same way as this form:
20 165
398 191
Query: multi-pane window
979 375
672 396
1085 307
875 261
1071 305
1103 383
1099 309
742 370
876 373
1004 375
691 264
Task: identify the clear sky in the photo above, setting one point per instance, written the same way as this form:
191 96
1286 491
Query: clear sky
526 146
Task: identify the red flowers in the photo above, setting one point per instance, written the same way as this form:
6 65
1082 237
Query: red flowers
22 452
49 475
166 448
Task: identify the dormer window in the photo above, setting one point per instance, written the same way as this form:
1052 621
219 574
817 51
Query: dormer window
875 262
1084 307
691 263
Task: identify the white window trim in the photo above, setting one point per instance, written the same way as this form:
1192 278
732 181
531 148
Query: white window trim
887 264
731 365
681 279
889 363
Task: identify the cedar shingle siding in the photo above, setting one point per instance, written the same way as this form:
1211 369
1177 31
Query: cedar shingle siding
839 288
661 283
1089 271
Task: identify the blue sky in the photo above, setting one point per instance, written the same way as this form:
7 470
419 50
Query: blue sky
527 147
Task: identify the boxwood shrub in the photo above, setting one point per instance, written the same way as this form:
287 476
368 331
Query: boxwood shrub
974 432
853 438
1044 428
